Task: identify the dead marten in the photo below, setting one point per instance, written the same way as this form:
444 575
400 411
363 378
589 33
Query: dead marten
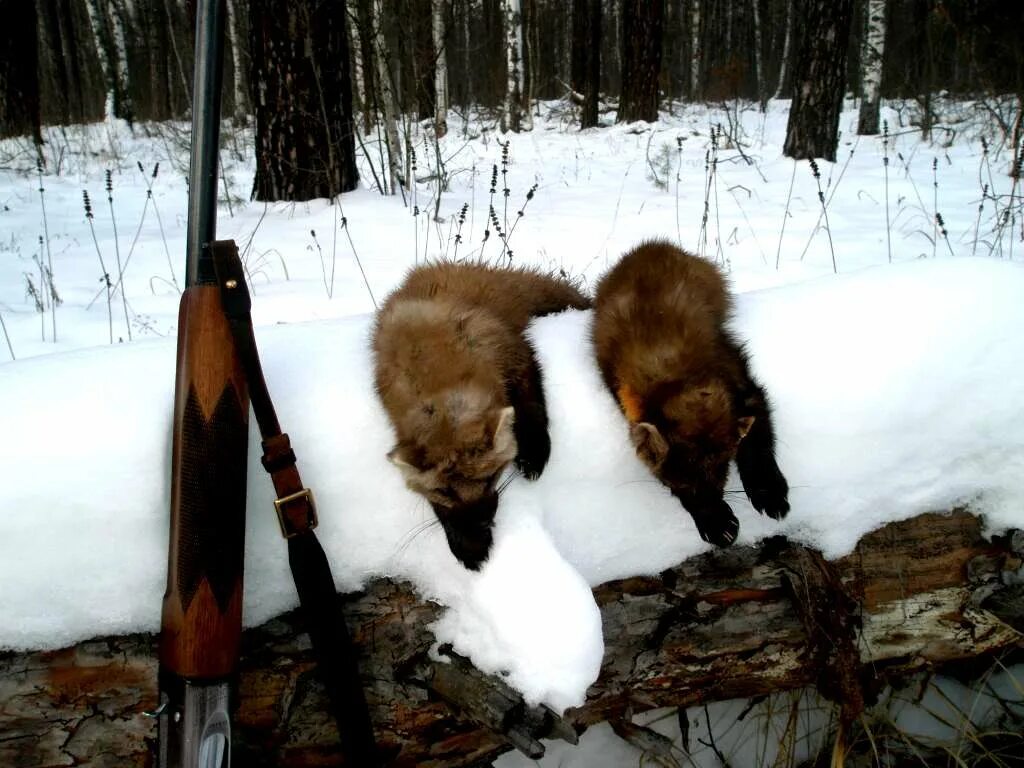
463 389
684 384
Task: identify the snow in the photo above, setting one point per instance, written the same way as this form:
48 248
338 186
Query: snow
875 423
897 388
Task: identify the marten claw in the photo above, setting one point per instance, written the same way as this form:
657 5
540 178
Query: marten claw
532 462
721 530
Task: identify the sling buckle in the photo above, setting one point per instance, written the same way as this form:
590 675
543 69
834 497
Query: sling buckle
289 529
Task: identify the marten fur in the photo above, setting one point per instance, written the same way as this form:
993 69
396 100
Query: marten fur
463 389
684 384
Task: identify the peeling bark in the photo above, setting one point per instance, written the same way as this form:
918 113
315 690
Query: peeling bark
727 624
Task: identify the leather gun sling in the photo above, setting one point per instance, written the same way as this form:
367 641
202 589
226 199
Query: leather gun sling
296 510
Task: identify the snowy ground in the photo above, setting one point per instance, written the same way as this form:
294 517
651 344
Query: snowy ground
897 388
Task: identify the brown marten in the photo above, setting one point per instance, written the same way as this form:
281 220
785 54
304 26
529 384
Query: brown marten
463 389
684 384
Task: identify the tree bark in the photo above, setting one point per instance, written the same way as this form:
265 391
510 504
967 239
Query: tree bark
586 58
871 60
240 103
762 89
71 87
641 60
696 52
819 78
120 19
439 28
735 623
102 51
780 88
386 96
302 97
516 118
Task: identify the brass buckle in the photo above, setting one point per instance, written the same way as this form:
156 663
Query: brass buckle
280 504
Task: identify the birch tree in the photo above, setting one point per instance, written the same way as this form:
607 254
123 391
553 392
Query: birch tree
786 45
696 54
386 96
355 46
240 102
871 59
516 118
440 15
95 24
120 18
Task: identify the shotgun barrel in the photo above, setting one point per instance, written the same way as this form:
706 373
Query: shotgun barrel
201 620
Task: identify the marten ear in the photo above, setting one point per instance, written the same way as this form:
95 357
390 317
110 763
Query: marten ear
504 435
396 458
743 425
650 446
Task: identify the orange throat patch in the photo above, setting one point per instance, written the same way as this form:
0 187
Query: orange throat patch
630 404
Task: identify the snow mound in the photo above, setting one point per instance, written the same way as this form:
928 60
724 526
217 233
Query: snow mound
897 390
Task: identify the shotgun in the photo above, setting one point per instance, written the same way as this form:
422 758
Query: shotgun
201 620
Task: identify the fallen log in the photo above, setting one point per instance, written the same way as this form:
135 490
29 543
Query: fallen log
733 623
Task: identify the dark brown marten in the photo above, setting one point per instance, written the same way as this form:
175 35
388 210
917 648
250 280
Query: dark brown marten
684 384
462 387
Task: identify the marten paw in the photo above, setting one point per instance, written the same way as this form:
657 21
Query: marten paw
768 491
534 449
719 527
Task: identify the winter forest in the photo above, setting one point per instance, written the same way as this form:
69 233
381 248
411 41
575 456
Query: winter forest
851 168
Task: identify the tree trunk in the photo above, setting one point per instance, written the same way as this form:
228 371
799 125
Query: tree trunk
735 623
467 68
762 89
787 45
119 19
102 51
516 118
302 97
586 58
368 88
696 52
386 96
19 83
439 29
819 78
240 104
641 60
872 57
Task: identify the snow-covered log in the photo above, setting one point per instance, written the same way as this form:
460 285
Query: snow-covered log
896 391
721 625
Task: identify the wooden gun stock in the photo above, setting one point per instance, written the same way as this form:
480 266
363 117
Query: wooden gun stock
202 608
201 623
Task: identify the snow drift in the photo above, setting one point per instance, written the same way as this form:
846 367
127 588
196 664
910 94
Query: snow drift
897 390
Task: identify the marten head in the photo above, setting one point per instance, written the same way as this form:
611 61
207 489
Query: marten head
687 435
457 446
